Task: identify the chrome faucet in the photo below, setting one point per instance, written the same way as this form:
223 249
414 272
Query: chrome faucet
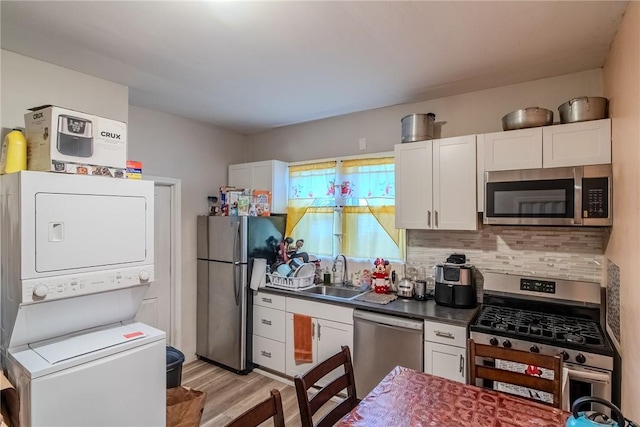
345 271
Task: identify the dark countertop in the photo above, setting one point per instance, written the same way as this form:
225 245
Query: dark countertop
410 308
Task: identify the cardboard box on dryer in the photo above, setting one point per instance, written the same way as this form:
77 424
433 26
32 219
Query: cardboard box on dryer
64 140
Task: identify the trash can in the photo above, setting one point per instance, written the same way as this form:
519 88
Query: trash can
175 359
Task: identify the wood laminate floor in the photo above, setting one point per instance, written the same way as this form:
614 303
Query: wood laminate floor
229 395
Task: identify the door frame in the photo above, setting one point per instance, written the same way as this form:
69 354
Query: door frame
175 286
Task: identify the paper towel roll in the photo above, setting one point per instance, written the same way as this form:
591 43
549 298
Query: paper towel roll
258 273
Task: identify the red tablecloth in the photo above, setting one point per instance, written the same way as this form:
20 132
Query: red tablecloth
407 398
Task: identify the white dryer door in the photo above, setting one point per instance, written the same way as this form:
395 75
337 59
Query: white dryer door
78 231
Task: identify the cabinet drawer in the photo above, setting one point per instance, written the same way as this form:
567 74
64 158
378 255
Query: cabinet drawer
268 323
268 353
445 334
270 300
321 311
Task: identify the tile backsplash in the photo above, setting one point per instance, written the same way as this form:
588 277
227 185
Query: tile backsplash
555 252
613 299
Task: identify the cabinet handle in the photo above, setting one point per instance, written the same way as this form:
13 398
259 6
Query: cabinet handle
444 334
428 218
462 365
319 326
265 354
266 322
436 218
268 300
313 333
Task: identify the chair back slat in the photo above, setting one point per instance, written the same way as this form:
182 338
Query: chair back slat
308 407
328 391
269 408
323 368
334 416
491 373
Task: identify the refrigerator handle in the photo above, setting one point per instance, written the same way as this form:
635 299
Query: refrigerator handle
236 263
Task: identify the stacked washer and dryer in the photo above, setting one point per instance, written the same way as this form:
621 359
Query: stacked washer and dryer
77 259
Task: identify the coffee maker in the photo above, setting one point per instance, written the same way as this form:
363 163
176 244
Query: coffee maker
455 283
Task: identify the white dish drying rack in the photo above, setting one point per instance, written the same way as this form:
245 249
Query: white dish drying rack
290 283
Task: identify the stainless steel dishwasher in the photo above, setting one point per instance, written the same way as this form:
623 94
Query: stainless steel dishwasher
382 342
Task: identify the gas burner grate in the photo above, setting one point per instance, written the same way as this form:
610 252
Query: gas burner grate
541 325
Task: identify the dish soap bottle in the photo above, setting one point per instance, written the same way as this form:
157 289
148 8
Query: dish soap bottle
14 152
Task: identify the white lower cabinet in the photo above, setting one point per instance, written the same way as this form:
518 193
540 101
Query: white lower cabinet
445 361
294 368
328 336
268 353
445 351
269 332
331 337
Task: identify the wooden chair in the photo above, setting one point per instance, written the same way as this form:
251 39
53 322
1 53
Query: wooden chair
272 407
495 374
304 382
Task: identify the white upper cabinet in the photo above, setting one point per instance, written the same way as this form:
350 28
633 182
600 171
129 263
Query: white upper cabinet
414 185
241 175
515 149
436 184
454 183
577 144
573 144
270 175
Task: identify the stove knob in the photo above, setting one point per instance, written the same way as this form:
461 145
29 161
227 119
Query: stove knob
565 355
493 341
506 344
534 349
580 358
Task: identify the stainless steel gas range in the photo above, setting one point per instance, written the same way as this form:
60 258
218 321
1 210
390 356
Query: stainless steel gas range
549 316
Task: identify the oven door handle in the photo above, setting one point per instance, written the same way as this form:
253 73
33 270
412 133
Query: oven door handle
589 376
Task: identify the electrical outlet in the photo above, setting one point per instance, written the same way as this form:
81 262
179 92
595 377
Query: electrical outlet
362 143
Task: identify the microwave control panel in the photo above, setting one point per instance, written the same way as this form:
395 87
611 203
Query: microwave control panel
595 197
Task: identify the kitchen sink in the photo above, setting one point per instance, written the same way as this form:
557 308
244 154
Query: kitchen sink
335 292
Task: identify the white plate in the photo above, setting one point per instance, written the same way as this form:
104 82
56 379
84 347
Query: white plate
305 270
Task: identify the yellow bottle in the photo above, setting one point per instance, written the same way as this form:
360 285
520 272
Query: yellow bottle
14 152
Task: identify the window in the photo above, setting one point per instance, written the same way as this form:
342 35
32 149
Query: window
345 206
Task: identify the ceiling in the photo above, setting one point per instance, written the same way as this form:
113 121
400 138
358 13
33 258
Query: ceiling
252 66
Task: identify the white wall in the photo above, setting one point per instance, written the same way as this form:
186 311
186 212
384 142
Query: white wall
168 146
465 114
173 147
27 82
622 87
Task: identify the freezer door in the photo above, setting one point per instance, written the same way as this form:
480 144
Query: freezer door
264 235
226 334
224 237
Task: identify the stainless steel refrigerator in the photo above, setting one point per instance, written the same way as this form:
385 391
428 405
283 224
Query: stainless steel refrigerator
227 246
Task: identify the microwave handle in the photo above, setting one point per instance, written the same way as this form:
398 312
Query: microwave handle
578 173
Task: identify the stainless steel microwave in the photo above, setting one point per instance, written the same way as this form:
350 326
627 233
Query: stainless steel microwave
573 196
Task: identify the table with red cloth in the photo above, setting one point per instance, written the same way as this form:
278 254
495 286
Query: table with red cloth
414 399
